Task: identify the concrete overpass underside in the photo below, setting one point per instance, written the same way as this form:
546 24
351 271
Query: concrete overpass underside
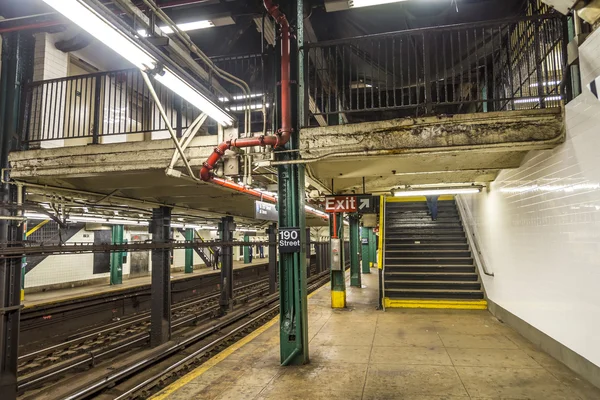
132 173
469 148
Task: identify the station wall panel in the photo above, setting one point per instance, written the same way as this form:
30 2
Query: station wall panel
539 228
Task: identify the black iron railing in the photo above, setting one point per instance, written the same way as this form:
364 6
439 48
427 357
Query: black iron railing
493 66
98 105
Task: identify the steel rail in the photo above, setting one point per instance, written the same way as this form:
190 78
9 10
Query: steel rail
138 318
98 385
92 356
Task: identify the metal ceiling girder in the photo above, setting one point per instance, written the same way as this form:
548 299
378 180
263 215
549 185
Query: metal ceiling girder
175 49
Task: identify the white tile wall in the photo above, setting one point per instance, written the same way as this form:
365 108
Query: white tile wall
539 228
66 268
49 63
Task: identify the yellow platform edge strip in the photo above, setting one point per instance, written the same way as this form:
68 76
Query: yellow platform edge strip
181 382
439 304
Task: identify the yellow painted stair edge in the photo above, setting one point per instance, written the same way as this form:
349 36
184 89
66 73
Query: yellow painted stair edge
441 304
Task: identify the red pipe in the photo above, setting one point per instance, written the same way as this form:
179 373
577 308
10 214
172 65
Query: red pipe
335 232
283 134
31 26
243 189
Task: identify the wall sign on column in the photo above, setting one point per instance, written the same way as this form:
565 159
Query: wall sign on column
266 211
289 240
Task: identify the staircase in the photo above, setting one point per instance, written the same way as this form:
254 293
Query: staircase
200 251
428 264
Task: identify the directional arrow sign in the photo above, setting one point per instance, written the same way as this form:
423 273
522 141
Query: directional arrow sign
366 204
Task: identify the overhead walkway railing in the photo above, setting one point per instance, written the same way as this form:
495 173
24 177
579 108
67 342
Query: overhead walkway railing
493 66
100 105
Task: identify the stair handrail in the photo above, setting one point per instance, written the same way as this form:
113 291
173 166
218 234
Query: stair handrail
471 237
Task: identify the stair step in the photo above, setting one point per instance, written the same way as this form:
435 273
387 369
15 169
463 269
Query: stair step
429 224
424 268
432 253
435 285
396 233
428 260
426 246
425 239
433 294
432 276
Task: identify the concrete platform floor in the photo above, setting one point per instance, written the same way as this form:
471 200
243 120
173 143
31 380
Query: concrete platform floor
53 296
361 353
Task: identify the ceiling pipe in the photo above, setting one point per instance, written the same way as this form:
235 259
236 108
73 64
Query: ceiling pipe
46 24
284 133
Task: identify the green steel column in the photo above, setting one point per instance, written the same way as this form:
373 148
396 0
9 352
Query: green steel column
189 253
338 276
355 279
116 257
293 321
246 250
372 248
366 253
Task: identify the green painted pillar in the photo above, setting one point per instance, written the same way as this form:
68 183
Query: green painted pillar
372 248
189 253
338 273
116 257
246 250
366 253
293 321
23 261
355 279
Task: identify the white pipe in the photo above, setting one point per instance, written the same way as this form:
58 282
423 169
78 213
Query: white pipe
166 120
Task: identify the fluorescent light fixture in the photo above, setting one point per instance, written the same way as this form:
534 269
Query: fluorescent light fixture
252 107
186 27
360 85
537 99
192 96
102 30
125 222
437 192
367 3
29 215
550 83
246 230
108 34
241 97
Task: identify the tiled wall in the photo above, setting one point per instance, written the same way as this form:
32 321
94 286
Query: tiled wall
79 267
66 268
539 229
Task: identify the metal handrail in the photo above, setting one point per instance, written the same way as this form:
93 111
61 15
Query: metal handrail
471 237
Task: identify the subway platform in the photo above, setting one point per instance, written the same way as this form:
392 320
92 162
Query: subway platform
37 299
363 353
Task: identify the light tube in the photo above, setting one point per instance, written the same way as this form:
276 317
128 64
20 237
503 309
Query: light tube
367 3
186 27
91 22
437 192
537 99
192 96
102 30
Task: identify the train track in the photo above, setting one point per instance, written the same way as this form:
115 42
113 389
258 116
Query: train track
137 375
85 349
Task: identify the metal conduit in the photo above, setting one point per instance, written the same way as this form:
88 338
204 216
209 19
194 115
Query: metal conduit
285 132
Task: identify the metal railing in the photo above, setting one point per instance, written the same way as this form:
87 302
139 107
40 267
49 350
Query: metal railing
99 105
491 66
